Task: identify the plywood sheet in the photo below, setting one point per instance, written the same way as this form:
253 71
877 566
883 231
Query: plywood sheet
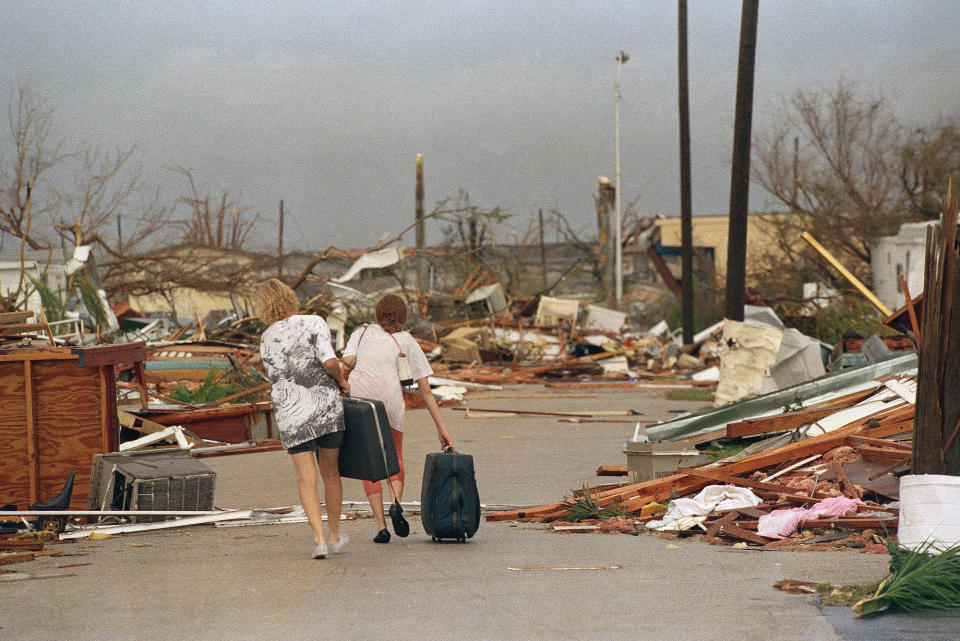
14 475
69 425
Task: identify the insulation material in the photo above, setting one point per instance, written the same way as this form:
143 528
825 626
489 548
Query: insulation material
608 320
493 295
459 345
372 260
746 353
553 311
798 361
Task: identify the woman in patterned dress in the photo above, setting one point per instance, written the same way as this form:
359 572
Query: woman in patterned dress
305 384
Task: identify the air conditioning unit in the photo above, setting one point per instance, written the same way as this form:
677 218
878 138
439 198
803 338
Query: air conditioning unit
173 481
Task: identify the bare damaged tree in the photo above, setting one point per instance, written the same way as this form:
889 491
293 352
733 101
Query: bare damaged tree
209 256
928 160
842 182
105 188
33 153
218 224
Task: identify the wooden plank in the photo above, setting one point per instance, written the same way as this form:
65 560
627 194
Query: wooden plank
715 475
744 535
778 423
704 438
110 437
612 470
140 375
14 478
849 490
19 557
18 328
33 457
714 528
882 454
856 441
14 317
70 425
111 354
21 546
838 522
40 354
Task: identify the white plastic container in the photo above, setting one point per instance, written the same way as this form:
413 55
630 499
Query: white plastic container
929 511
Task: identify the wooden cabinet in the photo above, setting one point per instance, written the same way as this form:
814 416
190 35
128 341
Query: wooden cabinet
58 407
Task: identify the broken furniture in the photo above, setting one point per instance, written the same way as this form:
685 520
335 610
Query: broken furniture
656 459
57 409
228 423
170 481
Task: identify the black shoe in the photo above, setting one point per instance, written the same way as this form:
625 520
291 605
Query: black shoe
400 525
382 536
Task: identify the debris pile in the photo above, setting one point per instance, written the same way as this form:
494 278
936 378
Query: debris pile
822 475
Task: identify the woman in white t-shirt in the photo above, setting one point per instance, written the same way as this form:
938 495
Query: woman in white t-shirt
371 356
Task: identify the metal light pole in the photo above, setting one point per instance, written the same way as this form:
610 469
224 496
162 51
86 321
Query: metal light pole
618 249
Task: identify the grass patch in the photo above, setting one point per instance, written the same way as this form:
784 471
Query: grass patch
208 391
699 395
723 450
845 595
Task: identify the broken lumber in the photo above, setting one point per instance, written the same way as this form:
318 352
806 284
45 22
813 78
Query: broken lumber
778 423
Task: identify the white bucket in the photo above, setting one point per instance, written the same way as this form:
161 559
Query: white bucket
929 511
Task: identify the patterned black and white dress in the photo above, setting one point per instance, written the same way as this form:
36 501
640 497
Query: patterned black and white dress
306 398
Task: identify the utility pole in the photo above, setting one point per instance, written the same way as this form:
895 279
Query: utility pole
686 213
423 272
280 245
606 196
543 252
618 249
740 173
796 173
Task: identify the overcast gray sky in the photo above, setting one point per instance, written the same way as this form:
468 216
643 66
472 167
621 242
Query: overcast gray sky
326 105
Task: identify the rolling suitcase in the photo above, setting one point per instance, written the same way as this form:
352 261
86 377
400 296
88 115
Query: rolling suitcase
368 452
449 501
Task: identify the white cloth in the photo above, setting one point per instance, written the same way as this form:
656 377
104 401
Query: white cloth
711 498
375 374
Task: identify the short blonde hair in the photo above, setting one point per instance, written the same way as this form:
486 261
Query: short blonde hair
276 301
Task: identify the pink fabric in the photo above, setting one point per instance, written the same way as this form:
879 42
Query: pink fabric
780 524
371 487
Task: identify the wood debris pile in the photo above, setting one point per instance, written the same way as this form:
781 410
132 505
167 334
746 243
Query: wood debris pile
848 451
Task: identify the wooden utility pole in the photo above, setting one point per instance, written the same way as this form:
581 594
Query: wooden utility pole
543 251
280 245
740 173
423 271
606 195
936 434
796 173
686 214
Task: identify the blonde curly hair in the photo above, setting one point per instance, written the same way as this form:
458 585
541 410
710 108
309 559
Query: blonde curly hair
276 301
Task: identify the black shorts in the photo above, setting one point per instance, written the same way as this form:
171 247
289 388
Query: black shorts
326 442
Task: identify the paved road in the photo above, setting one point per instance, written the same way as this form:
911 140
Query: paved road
258 582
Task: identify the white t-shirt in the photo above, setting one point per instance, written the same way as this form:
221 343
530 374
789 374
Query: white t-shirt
375 375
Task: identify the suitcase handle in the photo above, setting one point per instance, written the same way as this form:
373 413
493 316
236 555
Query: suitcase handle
449 449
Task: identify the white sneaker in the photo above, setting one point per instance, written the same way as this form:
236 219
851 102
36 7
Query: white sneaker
339 544
320 551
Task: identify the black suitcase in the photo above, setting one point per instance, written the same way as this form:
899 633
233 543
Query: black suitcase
368 452
449 501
